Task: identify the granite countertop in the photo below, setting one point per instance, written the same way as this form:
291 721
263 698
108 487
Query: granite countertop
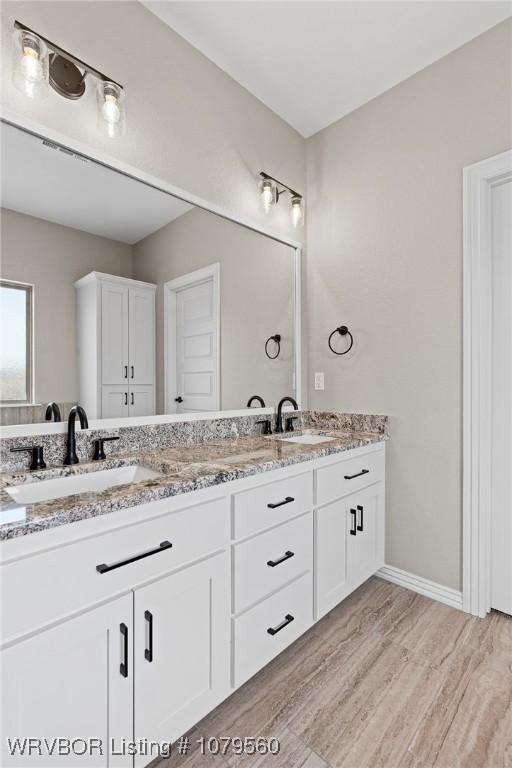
182 469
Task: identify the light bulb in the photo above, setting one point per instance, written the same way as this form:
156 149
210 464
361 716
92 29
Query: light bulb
111 116
267 194
31 63
110 110
297 211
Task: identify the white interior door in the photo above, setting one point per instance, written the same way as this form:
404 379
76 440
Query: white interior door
196 360
501 472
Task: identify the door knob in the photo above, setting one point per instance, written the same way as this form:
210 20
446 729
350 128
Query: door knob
178 399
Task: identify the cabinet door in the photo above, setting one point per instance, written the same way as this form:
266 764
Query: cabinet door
142 336
349 544
141 400
181 649
74 682
114 333
114 401
365 515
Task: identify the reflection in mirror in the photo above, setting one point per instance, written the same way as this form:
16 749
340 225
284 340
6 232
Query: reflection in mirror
129 301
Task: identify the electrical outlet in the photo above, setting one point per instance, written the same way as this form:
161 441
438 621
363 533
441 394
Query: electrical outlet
319 380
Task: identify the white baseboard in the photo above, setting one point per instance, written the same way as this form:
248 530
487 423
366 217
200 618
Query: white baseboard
423 586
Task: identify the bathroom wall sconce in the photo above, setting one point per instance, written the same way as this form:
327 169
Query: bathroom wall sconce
37 63
271 190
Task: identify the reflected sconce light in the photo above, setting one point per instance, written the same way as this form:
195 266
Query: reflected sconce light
271 190
38 63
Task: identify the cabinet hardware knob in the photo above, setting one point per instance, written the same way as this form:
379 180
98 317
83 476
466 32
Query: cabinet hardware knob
353 525
287 620
123 667
358 474
148 652
286 556
178 399
360 524
288 500
104 568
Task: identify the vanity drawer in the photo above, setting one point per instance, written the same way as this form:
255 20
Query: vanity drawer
287 614
336 480
271 504
266 562
49 586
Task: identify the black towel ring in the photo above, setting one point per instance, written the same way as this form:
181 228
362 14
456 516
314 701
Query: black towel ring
277 339
343 331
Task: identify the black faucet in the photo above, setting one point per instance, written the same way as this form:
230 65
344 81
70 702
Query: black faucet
77 410
279 417
258 399
52 411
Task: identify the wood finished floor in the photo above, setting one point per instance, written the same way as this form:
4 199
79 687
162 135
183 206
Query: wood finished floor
388 679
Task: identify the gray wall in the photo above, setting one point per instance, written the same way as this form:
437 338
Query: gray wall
385 257
256 296
53 257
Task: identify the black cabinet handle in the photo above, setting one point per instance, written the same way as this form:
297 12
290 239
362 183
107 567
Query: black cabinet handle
360 510
104 568
133 398
287 620
148 652
132 370
126 371
178 399
358 474
126 398
286 556
353 525
288 500
123 667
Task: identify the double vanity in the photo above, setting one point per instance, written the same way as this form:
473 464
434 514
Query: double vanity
156 581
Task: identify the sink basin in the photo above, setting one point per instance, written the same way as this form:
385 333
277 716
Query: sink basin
44 490
307 439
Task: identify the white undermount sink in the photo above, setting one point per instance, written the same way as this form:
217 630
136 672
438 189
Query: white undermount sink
44 490
307 439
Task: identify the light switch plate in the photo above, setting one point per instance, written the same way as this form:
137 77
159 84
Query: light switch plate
319 380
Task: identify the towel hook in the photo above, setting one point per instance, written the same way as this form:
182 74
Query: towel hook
343 331
276 338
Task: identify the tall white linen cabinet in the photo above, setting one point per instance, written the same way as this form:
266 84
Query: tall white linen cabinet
116 346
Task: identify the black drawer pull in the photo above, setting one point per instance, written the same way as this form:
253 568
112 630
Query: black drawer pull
287 620
104 568
353 525
126 371
123 667
288 500
286 556
360 524
133 371
148 652
358 474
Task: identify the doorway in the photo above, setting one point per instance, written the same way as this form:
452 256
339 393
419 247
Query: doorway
192 341
487 404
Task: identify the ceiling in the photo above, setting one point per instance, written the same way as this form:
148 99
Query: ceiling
314 62
44 181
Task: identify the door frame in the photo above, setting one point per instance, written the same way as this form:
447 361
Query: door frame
478 180
171 289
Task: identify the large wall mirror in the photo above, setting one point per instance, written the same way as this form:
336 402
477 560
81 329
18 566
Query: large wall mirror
116 295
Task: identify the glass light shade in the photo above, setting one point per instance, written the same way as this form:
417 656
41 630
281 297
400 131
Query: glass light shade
30 64
111 110
297 211
268 194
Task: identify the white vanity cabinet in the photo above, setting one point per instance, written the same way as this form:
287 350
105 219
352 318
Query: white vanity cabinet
116 345
72 681
136 624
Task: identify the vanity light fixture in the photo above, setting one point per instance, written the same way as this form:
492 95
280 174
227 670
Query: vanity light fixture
38 63
271 190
